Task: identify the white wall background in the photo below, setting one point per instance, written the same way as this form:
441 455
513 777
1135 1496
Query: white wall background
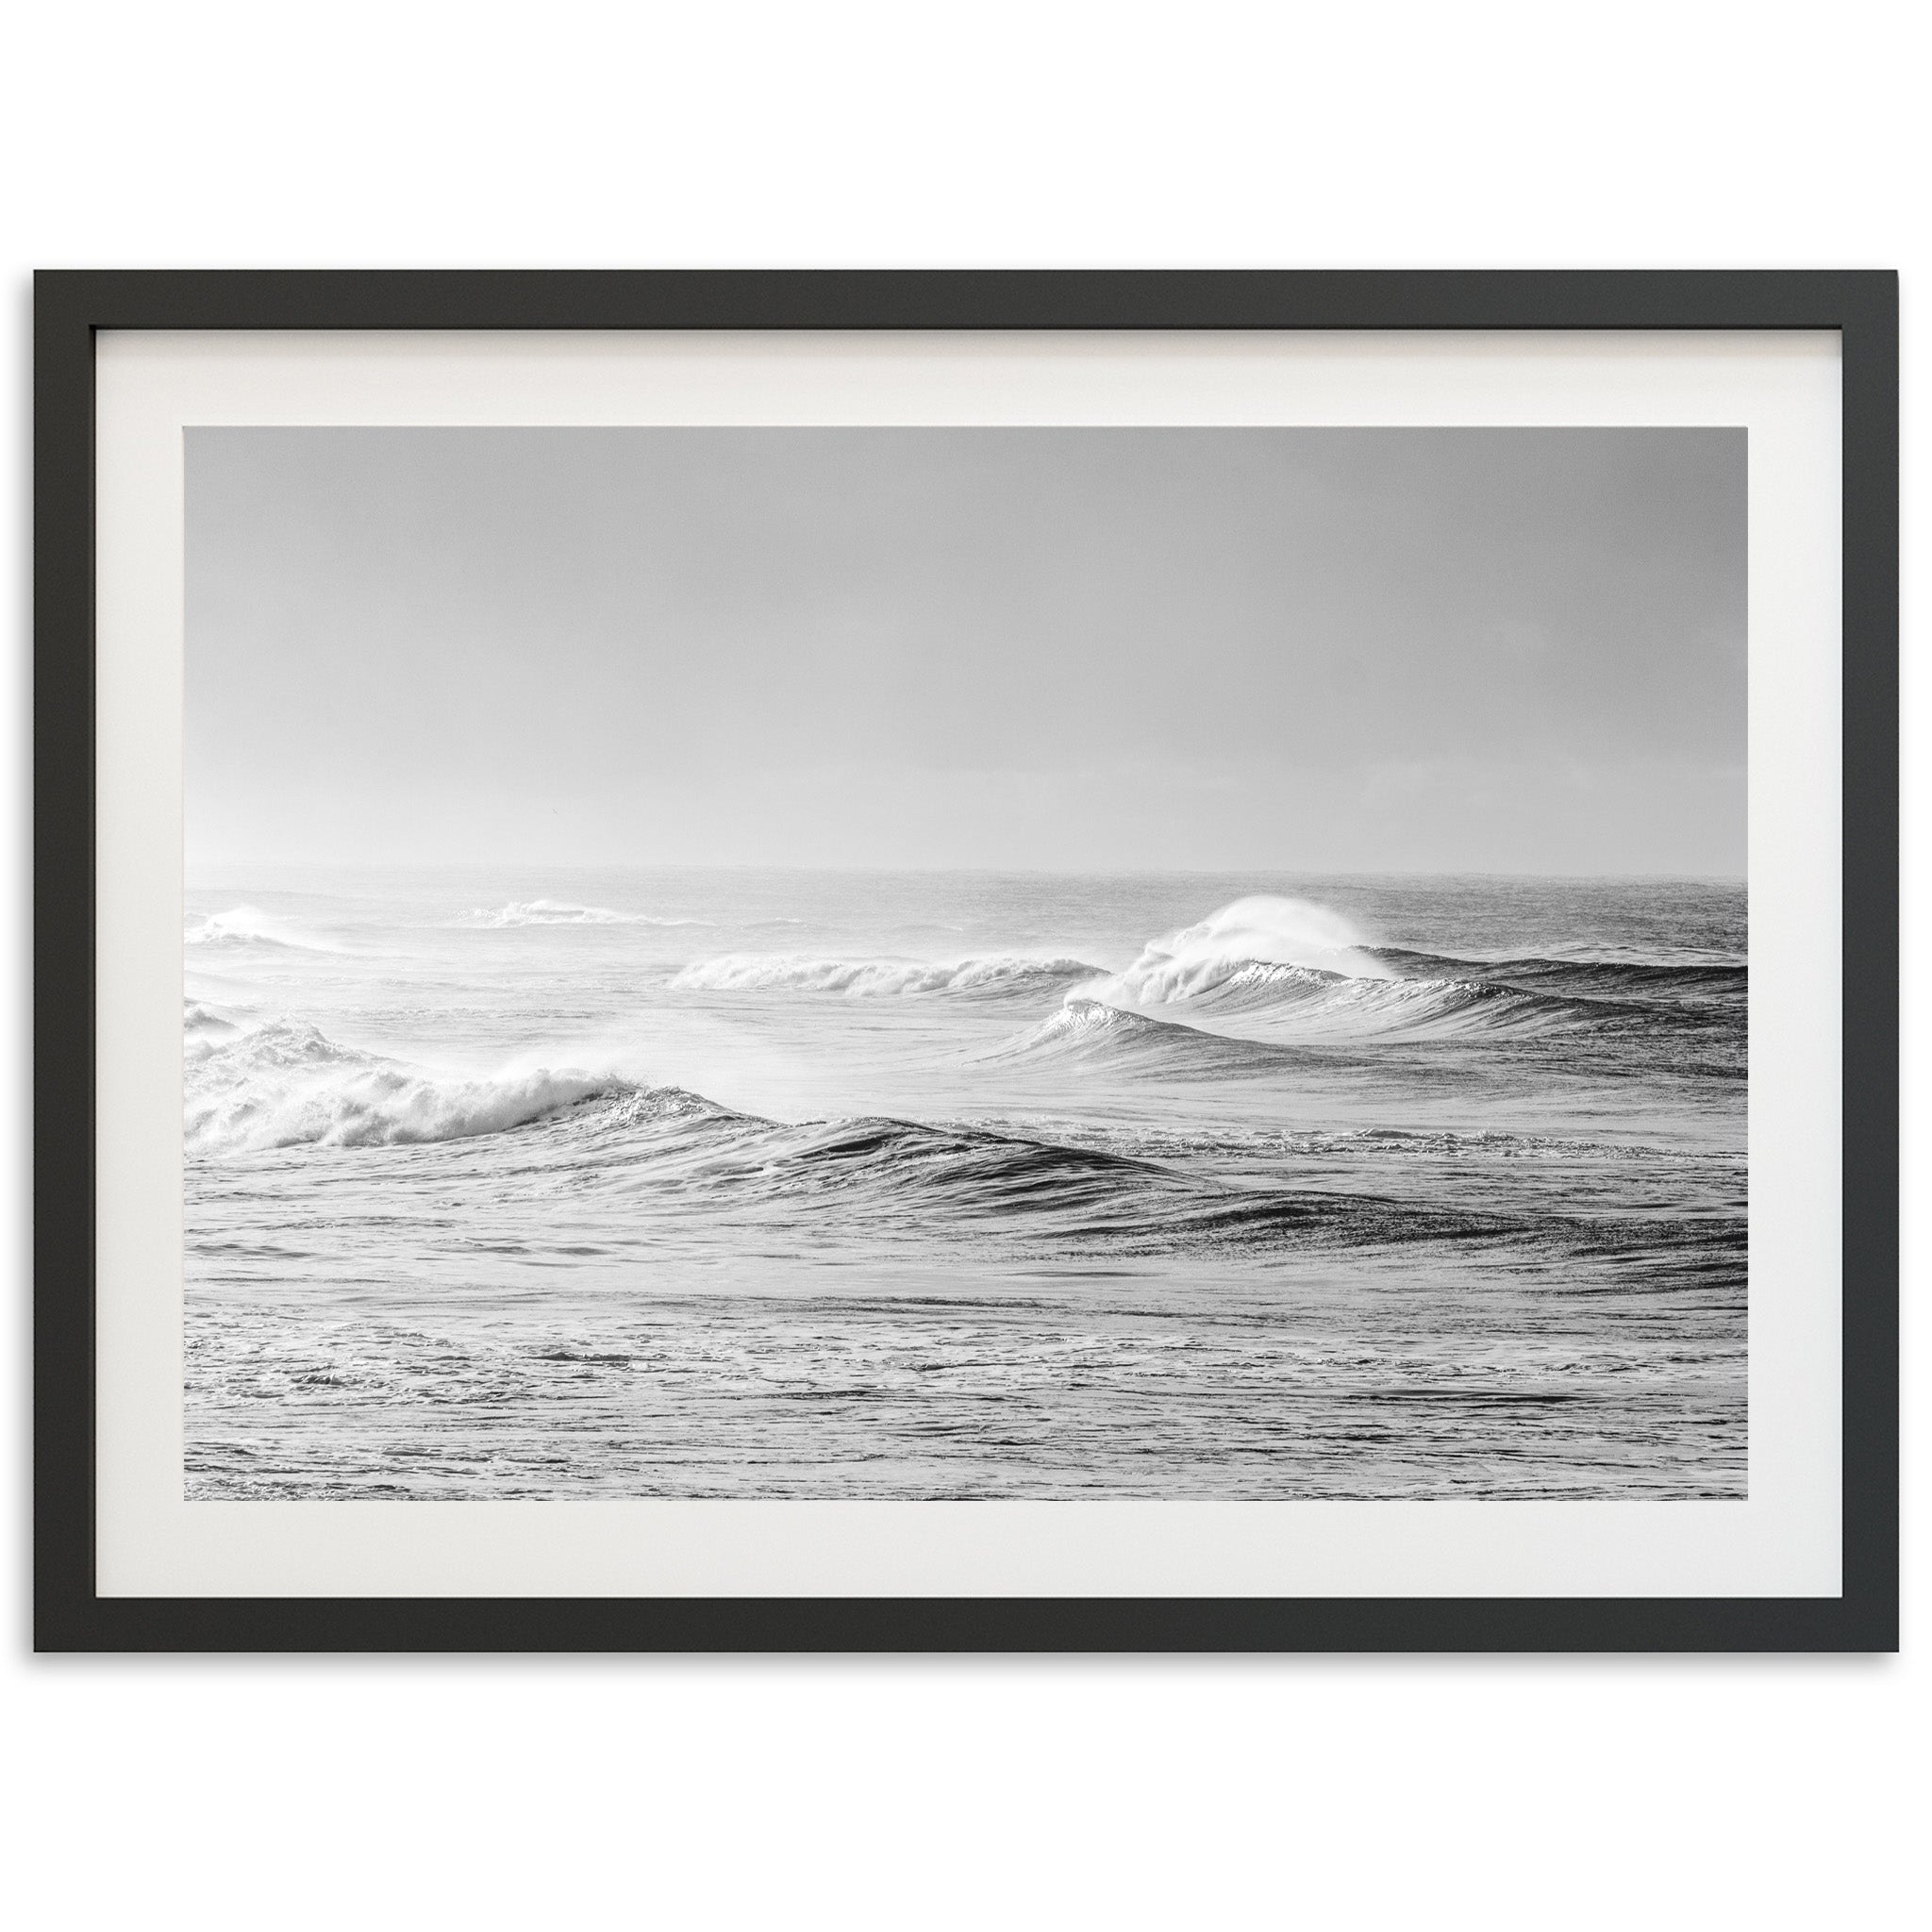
1532 1793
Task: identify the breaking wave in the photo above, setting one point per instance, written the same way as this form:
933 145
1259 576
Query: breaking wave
1302 972
1001 974
869 1179
287 1084
1261 930
1294 1000
561 912
200 1025
244 926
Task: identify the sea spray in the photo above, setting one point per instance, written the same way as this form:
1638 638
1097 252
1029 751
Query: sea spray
561 912
288 1084
247 926
1261 931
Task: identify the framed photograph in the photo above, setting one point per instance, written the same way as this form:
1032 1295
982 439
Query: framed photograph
966 961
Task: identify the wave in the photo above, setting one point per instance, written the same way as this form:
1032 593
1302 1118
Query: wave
1298 1007
203 1024
1245 1145
1231 986
870 1179
1405 992
287 1084
1040 1191
1001 974
1089 1033
1437 1009
245 925
1261 931
561 912
895 1180
1309 971
1304 1003
1581 978
881 1179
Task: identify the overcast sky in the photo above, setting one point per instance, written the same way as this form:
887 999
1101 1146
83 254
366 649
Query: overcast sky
1288 650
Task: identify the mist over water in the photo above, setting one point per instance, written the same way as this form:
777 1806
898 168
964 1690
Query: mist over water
737 1183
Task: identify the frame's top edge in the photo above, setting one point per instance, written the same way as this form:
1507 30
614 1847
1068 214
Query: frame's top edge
67 298
70 273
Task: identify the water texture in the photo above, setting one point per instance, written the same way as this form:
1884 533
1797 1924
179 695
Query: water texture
728 1184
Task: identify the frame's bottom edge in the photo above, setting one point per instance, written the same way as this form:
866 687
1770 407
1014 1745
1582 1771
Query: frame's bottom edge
967 1624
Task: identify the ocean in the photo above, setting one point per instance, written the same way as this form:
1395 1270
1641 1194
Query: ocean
688 1183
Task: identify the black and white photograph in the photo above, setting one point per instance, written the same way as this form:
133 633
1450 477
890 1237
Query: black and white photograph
957 967
1040 964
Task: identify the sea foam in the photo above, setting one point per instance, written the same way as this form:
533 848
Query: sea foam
1261 930
880 977
288 1084
561 912
246 925
1306 972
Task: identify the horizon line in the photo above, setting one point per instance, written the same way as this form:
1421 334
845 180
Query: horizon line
1728 878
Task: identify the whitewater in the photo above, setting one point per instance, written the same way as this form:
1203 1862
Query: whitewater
738 1183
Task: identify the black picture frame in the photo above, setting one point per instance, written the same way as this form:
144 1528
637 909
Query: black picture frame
71 307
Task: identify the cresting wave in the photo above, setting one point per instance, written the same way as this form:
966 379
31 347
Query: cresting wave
1086 1034
287 1084
1295 1000
1261 930
1297 968
244 926
1001 974
997 1187
1584 978
561 912
1303 972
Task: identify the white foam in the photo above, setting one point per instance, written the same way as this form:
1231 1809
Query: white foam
561 912
1261 930
756 972
202 1026
287 1084
247 926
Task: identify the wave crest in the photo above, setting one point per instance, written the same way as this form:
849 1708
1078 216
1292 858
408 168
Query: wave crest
879 978
563 912
1444 1008
1300 1004
989 1186
246 925
1090 1033
1301 970
287 1084
1583 977
1262 930
202 1026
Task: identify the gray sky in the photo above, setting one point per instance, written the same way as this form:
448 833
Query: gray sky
1285 649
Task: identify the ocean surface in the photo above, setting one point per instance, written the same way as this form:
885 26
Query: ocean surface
689 1183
